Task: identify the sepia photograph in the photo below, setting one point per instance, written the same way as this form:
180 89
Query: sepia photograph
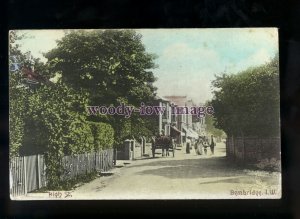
130 114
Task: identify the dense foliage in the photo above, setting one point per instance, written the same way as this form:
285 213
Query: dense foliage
100 67
90 68
247 104
17 96
103 135
113 67
211 129
109 64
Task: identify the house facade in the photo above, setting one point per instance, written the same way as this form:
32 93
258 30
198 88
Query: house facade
180 126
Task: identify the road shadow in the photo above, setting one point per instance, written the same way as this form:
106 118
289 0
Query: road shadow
191 168
215 167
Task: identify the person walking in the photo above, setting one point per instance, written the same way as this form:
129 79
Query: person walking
198 146
205 144
188 144
212 145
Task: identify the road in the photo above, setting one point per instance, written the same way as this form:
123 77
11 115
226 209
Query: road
187 176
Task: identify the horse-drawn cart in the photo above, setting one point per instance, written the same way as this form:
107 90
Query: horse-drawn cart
165 143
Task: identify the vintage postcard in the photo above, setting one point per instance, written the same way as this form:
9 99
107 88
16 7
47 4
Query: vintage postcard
110 114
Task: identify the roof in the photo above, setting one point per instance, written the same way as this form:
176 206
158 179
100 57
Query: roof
160 98
177 100
175 129
190 103
33 77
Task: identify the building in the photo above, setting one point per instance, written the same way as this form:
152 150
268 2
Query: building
164 119
176 120
199 123
181 120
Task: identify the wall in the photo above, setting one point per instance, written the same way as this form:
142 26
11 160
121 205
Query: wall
133 149
253 150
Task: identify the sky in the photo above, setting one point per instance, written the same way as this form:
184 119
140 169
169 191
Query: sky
187 59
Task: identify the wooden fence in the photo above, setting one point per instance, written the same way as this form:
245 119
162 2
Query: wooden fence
28 173
75 165
252 150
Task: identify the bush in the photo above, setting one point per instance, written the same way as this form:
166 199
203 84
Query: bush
53 127
103 135
248 103
81 138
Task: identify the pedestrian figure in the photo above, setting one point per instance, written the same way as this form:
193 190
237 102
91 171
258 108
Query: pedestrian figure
212 145
188 145
199 146
196 146
205 145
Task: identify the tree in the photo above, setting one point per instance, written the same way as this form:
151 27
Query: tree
103 135
47 118
112 66
17 94
54 127
210 128
247 104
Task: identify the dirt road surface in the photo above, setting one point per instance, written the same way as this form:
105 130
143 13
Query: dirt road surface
186 176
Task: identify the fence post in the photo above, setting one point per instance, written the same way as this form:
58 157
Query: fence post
95 160
244 151
19 174
102 163
25 175
38 172
133 148
10 178
111 162
142 143
127 149
88 163
233 146
115 156
261 149
77 164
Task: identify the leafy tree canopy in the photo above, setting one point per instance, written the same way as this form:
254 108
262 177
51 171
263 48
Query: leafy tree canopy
247 104
110 64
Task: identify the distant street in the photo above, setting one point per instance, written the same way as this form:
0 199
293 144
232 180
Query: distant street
187 176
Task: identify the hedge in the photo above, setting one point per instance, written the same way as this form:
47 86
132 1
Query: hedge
103 135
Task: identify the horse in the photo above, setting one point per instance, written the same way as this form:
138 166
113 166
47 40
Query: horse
163 142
